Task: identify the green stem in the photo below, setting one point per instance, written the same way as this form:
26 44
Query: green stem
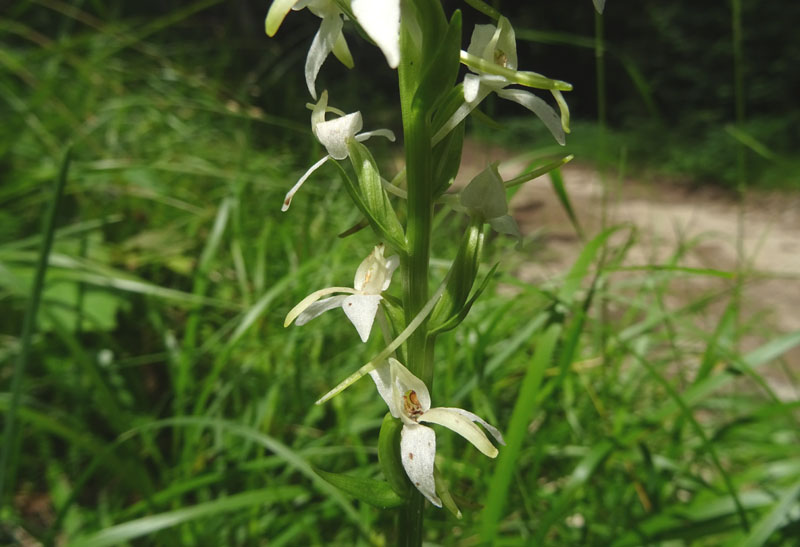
419 352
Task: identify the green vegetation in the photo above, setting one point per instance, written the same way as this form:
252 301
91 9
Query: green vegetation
163 403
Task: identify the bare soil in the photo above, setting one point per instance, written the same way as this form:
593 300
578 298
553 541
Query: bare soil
667 214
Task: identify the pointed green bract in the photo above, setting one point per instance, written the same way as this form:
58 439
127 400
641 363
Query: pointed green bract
376 493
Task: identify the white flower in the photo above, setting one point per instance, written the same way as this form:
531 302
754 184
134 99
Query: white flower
408 399
485 197
498 46
333 135
372 278
329 37
380 19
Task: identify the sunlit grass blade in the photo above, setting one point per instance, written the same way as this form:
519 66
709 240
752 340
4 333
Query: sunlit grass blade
517 430
774 518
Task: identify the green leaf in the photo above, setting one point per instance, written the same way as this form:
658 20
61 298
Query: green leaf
561 192
377 493
442 70
389 456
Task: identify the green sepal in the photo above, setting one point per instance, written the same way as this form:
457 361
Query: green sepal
376 493
462 276
378 224
456 320
389 456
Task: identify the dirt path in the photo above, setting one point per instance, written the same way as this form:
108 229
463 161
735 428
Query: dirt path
666 214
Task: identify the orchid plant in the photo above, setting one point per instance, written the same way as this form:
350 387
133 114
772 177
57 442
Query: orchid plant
425 46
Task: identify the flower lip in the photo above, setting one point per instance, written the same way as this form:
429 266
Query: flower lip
408 399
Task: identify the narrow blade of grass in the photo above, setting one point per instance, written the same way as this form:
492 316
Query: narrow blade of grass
524 409
29 324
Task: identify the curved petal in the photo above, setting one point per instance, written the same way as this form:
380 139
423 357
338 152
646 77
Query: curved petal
382 376
318 112
277 12
309 300
333 134
318 308
380 19
321 46
287 200
360 310
506 46
342 52
403 381
461 425
388 133
479 41
391 265
538 107
475 418
417 452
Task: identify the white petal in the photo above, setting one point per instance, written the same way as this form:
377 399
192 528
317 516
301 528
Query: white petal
479 42
475 418
321 46
403 381
318 112
599 5
485 195
277 11
287 200
505 225
319 307
333 134
309 300
375 272
417 452
360 310
506 44
382 376
391 265
381 21
472 86
388 133
461 425
539 107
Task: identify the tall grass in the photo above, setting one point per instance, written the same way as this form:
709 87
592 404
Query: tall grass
164 401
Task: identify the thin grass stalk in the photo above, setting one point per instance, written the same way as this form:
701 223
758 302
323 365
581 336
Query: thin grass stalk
29 324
